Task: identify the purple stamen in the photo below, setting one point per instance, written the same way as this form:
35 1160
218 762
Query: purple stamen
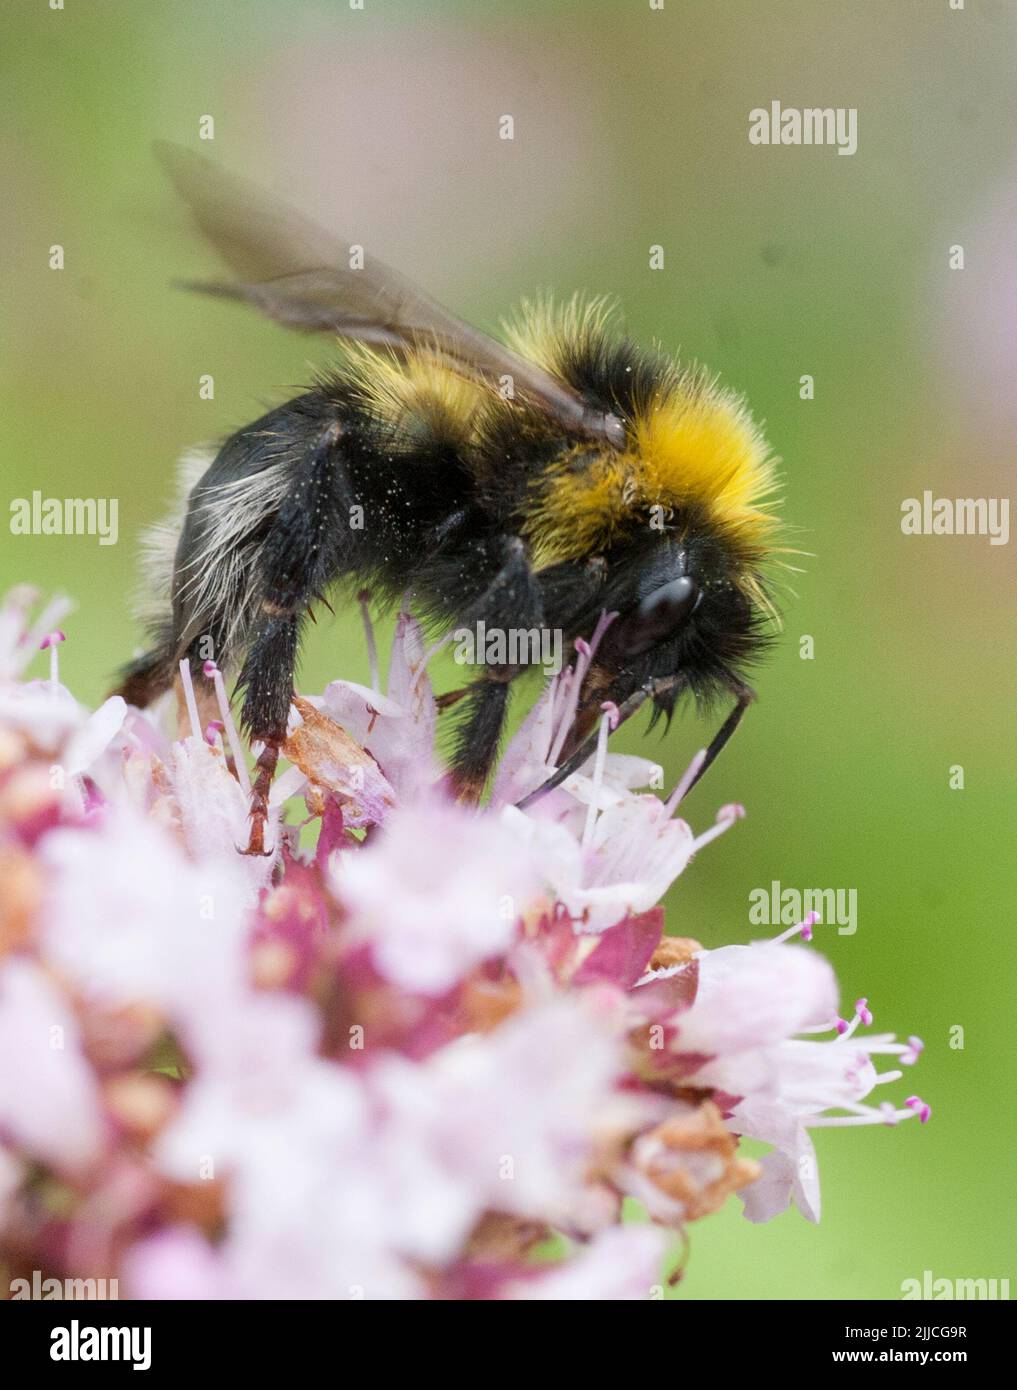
804 928
684 783
52 640
189 700
914 1050
587 651
921 1109
236 747
598 776
46 622
425 661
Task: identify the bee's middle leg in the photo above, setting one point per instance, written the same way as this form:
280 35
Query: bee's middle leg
478 735
508 597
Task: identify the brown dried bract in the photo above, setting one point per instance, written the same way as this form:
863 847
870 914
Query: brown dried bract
674 950
330 758
693 1158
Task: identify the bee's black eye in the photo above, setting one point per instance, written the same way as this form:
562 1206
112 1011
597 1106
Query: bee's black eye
659 614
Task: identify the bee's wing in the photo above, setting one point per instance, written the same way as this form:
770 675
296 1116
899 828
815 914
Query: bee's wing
298 274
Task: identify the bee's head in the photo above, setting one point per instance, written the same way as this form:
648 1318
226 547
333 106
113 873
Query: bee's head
682 511
686 608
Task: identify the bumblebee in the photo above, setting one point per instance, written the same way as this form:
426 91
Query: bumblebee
537 483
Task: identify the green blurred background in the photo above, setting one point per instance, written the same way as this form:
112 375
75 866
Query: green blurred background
630 130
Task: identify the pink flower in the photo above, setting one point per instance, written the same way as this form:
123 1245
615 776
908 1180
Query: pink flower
398 729
507 1122
605 851
91 739
20 636
740 1036
177 1263
293 1136
789 1172
623 1264
622 866
536 750
128 917
750 997
57 724
49 1100
815 1085
397 1164
435 893
399 1060
213 810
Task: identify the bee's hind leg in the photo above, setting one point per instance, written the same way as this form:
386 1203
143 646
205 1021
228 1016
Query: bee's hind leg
298 559
264 770
267 681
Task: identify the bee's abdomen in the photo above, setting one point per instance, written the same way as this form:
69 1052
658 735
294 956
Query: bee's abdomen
264 521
